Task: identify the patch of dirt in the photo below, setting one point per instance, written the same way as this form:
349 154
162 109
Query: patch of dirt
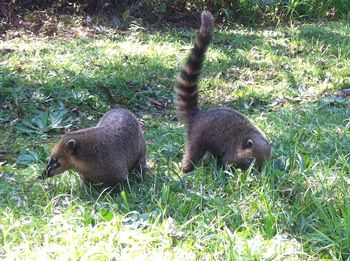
47 24
41 24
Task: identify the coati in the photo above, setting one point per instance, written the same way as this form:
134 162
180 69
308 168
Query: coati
103 154
223 132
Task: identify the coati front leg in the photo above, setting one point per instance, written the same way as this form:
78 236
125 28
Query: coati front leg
228 158
194 152
232 157
84 180
141 166
117 176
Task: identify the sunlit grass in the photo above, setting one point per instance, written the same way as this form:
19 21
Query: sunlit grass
285 79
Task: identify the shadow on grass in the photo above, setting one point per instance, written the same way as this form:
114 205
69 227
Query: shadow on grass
307 139
326 35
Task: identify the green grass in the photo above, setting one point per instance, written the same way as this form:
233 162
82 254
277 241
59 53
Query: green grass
287 80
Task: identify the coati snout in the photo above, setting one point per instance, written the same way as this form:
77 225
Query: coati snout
104 154
223 132
59 159
50 169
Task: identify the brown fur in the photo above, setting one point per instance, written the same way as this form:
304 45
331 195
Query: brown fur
223 132
103 154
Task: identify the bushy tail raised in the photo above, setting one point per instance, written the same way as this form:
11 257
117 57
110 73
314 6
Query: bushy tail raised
186 87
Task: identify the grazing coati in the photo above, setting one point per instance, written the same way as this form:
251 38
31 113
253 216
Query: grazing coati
103 154
223 132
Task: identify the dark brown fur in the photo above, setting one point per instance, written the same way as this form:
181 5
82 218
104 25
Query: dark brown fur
103 154
223 132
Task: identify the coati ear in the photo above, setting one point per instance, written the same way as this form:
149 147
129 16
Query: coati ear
249 144
71 144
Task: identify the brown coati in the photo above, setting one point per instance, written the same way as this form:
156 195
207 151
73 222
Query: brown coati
103 154
223 132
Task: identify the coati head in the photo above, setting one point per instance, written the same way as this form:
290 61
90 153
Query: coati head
60 159
256 148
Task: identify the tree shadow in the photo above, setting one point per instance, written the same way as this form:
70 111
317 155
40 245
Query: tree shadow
325 34
303 135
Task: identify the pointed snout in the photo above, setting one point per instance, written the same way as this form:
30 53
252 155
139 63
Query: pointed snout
50 169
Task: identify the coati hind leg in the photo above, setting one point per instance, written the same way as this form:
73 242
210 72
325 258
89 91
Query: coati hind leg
194 152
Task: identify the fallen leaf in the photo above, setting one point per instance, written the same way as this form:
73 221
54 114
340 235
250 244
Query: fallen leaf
170 229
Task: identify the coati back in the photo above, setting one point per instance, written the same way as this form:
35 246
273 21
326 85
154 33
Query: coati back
103 154
223 132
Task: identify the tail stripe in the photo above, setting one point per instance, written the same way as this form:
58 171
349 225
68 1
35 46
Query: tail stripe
186 87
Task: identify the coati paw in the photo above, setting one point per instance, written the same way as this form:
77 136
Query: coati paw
187 167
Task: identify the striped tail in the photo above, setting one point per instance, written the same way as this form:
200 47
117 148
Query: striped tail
186 87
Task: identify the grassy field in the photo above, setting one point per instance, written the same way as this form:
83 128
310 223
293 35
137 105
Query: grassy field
292 82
